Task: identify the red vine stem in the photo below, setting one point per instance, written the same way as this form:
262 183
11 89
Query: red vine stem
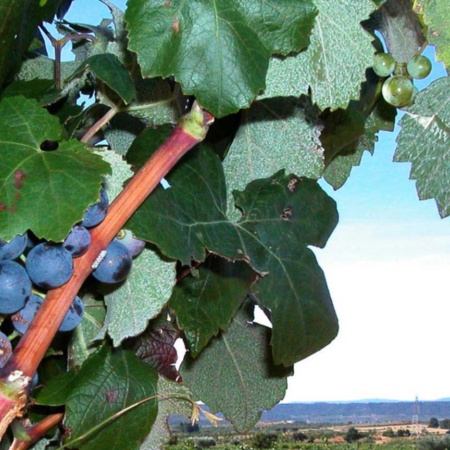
98 125
34 343
35 432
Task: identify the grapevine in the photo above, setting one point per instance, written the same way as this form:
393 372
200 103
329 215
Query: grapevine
182 195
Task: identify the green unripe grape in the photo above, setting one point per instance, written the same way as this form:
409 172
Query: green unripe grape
419 67
407 107
383 64
398 90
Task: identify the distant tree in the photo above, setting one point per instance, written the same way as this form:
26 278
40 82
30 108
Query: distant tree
352 435
434 423
264 440
403 432
388 433
299 436
445 424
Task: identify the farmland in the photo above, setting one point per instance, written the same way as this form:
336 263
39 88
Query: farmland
277 436
366 430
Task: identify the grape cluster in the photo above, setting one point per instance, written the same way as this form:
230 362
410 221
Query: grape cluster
398 88
28 268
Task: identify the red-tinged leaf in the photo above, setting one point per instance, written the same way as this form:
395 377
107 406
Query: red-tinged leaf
156 348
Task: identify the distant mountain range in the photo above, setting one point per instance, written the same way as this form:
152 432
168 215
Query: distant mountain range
363 411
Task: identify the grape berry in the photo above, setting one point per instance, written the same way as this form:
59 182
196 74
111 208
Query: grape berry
398 89
29 265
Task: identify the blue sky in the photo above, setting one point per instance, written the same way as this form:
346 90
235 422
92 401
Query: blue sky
386 266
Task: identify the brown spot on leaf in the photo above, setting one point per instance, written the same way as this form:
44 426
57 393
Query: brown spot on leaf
17 196
19 176
176 24
2 207
287 213
111 395
12 208
292 184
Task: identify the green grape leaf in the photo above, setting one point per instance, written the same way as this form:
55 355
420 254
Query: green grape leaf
84 338
154 103
333 67
43 68
42 90
281 133
56 390
339 168
400 27
216 50
18 23
122 131
282 216
140 298
111 71
235 374
108 383
206 302
120 172
436 14
173 400
46 191
424 141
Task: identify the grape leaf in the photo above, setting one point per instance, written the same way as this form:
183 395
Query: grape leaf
56 390
235 374
82 341
351 145
424 141
18 22
42 90
334 64
400 27
122 132
435 16
173 400
282 215
156 347
154 103
275 134
140 298
206 302
339 168
44 69
107 383
216 50
45 191
111 71
120 172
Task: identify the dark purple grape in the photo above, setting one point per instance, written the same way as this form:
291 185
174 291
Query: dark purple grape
49 265
97 212
116 264
22 318
133 245
5 349
14 248
78 240
15 287
73 316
